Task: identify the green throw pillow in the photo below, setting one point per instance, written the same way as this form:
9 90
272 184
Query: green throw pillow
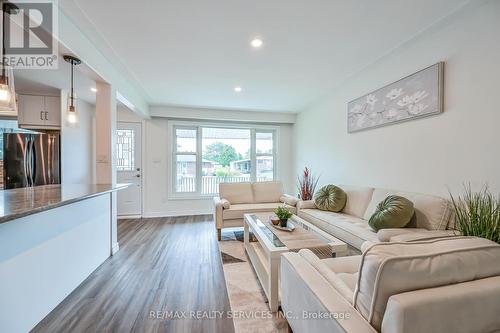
330 197
393 212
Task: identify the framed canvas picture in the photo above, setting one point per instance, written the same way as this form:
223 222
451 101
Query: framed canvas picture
415 96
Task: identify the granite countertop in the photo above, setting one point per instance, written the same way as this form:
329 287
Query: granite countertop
20 202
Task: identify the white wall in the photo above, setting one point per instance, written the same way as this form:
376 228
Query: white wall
426 155
77 145
157 161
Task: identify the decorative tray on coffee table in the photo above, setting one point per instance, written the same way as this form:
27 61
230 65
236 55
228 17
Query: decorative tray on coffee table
289 226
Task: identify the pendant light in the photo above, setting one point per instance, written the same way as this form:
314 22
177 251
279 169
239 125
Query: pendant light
7 90
71 113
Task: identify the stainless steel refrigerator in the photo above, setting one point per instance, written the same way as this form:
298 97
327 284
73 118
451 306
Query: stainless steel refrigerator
31 159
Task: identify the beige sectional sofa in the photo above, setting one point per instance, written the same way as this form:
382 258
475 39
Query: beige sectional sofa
432 213
237 199
449 284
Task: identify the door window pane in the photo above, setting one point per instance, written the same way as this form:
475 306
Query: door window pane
186 173
226 157
186 140
264 142
125 150
265 168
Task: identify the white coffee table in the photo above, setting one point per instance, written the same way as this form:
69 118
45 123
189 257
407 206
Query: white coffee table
265 251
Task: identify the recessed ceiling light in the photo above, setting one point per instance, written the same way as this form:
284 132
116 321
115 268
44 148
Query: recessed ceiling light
93 89
237 89
256 43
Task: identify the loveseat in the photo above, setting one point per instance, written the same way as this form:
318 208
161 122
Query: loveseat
449 284
237 199
432 216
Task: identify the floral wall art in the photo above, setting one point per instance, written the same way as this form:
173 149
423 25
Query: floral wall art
415 96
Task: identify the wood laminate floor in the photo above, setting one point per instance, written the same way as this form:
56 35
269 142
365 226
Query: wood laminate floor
170 265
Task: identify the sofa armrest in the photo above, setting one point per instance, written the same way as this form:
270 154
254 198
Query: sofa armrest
306 204
412 234
220 204
305 292
289 200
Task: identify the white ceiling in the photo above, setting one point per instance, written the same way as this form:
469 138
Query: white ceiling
192 52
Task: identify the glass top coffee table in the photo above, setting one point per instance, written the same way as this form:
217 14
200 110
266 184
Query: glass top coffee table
265 244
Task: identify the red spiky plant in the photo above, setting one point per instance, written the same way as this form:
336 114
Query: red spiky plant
306 184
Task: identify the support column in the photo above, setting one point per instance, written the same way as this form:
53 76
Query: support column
106 148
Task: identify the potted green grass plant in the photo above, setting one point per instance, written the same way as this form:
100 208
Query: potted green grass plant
283 214
478 214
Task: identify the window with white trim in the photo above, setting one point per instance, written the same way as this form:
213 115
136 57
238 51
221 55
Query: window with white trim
206 155
185 159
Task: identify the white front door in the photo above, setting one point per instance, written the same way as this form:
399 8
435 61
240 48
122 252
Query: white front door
129 168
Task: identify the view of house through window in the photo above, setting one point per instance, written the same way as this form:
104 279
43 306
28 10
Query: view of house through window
264 155
185 159
227 156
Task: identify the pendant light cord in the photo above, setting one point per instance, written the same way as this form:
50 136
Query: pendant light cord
72 97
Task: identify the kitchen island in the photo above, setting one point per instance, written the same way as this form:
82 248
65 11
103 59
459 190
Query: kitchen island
52 238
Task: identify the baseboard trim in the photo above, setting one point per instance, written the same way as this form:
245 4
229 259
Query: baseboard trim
177 213
123 217
115 248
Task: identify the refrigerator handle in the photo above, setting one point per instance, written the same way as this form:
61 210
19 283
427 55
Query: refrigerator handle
30 161
26 158
33 161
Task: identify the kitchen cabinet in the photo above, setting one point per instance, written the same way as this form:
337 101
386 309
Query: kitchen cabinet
52 111
39 112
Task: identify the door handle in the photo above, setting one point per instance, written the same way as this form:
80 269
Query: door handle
46 115
41 115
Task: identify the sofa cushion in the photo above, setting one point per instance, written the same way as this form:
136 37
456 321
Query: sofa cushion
392 268
346 268
236 193
350 229
358 199
431 212
349 264
392 212
267 191
330 197
349 279
341 282
237 211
